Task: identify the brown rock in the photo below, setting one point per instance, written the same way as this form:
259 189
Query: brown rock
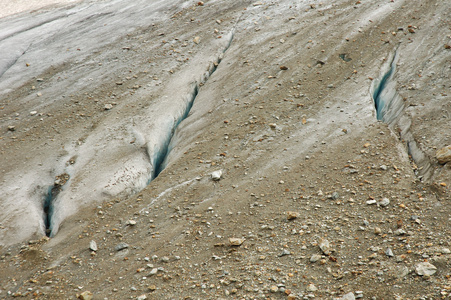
291 215
236 241
86 295
444 155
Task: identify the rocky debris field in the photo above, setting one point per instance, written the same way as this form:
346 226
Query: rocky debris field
278 183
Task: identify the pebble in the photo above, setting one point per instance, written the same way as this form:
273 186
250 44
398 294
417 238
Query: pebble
389 252
370 202
315 257
377 230
131 222
444 155
153 271
274 289
93 246
11 128
291 215
121 246
383 202
425 268
196 40
311 288
348 296
324 245
236 241
142 297
284 252
399 231
216 175
33 113
108 106
402 271
86 295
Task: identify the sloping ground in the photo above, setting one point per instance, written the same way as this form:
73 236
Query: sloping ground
323 198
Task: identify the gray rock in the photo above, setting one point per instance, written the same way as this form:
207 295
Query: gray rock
324 245
93 246
383 202
425 268
121 246
284 252
402 271
400 231
348 296
389 252
315 258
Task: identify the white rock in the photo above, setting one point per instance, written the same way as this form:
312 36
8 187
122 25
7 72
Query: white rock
315 258
348 296
383 202
324 245
108 106
425 268
216 175
131 222
142 297
312 288
93 246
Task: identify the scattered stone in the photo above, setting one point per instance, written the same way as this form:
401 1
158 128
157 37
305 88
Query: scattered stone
445 251
384 167
93 246
216 175
152 287
236 241
399 231
274 289
283 68
131 222
284 252
291 215
377 230
389 252
444 155
402 271
165 259
196 40
142 297
311 288
33 113
86 295
121 246
425 269
273 125
153 271
370 202
383 202
11 128
315 257
324 245
348 296
108 106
